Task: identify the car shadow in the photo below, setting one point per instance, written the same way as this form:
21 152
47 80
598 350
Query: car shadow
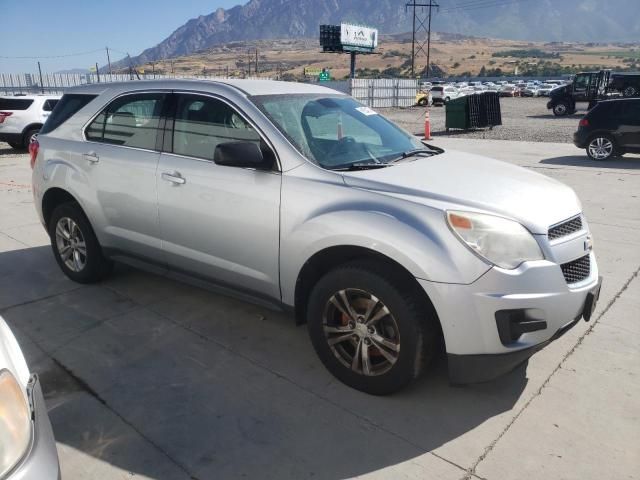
141 367
628 162
5 149
549 116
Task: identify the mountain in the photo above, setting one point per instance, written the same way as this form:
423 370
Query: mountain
543 20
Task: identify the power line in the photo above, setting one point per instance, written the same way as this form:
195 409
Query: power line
52 56
481 5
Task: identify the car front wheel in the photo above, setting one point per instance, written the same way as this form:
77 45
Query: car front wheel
75 246
370 329
561 109
601 147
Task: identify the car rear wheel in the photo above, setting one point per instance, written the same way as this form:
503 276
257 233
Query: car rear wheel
75 246
371 332
422 102
601 147
30 137
630 92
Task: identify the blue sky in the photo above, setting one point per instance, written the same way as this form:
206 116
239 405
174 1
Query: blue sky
46 28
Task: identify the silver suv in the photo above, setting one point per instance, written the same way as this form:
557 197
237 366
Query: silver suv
301 197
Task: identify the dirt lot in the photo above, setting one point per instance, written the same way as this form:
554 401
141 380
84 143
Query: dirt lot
523 119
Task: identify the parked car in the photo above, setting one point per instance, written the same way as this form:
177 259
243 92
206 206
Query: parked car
21 117
611 128
301 197
442 94
545 89
529 91
424 99
26 439
509 91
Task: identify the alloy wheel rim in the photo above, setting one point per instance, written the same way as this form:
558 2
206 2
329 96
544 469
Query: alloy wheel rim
561 109
601 148
70 244
361 332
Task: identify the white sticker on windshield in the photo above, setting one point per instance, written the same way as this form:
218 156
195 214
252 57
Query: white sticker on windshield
366 111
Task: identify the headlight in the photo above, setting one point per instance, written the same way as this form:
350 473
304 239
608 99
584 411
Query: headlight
500 241
15 422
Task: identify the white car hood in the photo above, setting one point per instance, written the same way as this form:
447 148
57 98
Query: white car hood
11 357
458 180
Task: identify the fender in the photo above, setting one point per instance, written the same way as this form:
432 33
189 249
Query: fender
427 252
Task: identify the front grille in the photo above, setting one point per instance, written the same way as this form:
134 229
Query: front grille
577 270
566 228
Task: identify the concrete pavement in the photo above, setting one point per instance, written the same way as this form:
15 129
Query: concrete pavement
148 378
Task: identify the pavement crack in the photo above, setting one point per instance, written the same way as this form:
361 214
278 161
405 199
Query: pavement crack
471 472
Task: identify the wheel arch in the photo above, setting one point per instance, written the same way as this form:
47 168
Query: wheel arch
329 258
31 126
52 198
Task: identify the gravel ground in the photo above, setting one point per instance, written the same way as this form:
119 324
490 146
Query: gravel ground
524 119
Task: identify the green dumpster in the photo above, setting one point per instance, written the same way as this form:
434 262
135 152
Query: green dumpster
457 114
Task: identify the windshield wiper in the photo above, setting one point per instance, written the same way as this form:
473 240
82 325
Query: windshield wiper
412 153
350 167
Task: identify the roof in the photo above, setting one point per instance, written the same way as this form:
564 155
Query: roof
32 97
249 87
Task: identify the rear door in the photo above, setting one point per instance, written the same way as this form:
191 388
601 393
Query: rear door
629 129
120 158
218 222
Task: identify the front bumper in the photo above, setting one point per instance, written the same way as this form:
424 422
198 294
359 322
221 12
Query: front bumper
476 348
41 460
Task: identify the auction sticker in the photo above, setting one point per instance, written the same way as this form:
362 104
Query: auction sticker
366 111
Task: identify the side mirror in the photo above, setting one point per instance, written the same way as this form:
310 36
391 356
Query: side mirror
241 154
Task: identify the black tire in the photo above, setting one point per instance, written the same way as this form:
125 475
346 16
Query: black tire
607 153
16 146
29 134
561 109
422 102
96 266
408 312
446 100
630 91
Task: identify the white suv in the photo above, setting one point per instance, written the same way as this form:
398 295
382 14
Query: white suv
443 93
22 116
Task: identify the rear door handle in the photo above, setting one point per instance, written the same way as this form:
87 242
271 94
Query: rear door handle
174 177
91 157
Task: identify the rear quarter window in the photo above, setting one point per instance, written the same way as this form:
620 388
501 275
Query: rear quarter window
15 103
64 109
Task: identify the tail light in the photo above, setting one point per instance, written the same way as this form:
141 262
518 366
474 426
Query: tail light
584 122
34 147
4 115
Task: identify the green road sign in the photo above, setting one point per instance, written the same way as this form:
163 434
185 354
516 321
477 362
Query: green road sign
325 75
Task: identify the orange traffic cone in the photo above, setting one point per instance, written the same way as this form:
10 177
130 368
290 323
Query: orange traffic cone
427 125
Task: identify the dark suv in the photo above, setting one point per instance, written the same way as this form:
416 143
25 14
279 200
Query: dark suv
611 128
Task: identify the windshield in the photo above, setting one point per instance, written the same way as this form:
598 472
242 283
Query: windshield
335 131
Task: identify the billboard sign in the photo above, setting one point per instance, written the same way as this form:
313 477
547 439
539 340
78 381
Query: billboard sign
358 36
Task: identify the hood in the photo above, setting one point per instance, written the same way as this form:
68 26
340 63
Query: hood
561 91
11 357
458 180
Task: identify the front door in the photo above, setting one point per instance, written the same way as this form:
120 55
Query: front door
219 222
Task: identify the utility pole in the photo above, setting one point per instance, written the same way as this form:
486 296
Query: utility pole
41 84
98 72
108 60
131 67
256 61
248 63
419 21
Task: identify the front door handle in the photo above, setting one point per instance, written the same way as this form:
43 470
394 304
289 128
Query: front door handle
174 177
91 157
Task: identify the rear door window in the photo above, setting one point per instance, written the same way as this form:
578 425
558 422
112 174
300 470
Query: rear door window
15 103
64 109
129 121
